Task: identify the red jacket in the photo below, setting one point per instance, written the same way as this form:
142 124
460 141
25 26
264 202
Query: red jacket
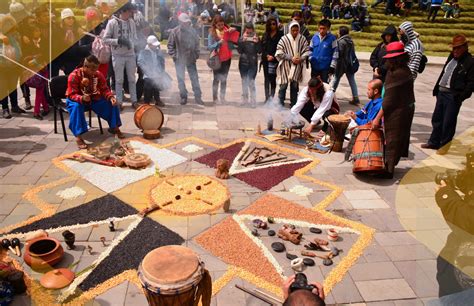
97 87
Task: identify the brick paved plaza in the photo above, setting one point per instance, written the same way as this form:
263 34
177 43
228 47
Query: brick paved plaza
395 269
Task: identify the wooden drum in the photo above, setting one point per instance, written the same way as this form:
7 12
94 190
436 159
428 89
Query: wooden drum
339 124
174 276
368 150
148 117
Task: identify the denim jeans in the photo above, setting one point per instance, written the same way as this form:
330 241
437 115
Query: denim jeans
220 76
193 76
128 63
444 119
350 78
293 93
248 74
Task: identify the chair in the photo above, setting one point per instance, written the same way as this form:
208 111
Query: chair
57 91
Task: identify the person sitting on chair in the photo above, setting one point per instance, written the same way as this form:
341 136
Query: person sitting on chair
371 109
87 88
315 102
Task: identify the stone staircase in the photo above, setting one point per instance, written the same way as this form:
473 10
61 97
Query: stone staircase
435 36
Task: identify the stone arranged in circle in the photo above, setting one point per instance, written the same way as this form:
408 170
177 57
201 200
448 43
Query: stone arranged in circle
278 247
271 233
308 262
327 262
334 251
255 232
315 230
291 256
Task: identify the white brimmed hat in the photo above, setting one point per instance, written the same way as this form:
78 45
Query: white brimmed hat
67 12
152 40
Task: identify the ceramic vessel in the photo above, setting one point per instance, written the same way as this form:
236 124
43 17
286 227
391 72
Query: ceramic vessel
42 253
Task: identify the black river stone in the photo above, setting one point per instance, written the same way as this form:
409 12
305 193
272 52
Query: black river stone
271 233
308 262
278 247
315 230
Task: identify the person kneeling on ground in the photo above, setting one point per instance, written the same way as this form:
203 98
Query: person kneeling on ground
87 87
370 110
315 102
304 297
152 63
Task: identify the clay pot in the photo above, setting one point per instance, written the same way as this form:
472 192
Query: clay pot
57 278
333 235
43 252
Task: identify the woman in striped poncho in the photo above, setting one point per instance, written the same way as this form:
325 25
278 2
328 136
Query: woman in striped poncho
292 52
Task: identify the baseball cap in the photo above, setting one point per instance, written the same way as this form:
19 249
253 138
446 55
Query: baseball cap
152 40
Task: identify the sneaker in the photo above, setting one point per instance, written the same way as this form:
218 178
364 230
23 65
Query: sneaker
18 110
28 105
183 101
355 101
6 114
45 113
429 146
38 117
159 103
199 101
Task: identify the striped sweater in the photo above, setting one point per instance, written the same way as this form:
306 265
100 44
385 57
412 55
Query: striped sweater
287 71
413 47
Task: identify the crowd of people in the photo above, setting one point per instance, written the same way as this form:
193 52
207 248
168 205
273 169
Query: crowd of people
123 54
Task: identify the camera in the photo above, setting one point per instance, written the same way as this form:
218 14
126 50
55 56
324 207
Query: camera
301 282
459 179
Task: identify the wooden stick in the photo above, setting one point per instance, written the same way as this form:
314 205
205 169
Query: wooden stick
207 202
207 183
258 296
167 203
270 160
246 147
248 154
268 296
169 183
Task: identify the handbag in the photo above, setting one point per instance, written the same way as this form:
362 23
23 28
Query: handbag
213 61
34 80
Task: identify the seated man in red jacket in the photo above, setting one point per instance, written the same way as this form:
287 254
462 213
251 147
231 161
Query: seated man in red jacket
87 86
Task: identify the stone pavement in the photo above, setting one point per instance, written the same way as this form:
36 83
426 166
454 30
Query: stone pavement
396 269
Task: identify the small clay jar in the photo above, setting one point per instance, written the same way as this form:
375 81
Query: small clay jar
332 234
42 253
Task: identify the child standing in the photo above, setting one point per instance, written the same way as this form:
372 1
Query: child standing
249 48
34 60
152 63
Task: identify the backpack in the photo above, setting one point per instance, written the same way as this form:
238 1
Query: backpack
352 61
423 62
100 49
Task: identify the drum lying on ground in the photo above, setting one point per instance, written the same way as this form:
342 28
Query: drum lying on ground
148 117
171 276
368 150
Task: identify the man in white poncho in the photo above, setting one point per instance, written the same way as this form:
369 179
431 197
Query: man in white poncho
292 52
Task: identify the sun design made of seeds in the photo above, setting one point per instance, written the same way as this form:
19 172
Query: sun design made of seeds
190 195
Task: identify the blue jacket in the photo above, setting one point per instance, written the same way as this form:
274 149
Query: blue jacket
368 112
322 51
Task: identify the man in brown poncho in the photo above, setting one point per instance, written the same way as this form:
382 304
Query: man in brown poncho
398 107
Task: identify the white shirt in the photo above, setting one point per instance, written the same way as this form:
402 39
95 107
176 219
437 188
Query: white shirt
324 106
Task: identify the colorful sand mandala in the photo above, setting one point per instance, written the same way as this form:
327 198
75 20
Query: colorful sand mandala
122 255
110 179
232 241
148 227
263 177
190 195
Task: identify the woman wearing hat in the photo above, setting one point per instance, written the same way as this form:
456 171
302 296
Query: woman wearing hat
67 38
398 106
